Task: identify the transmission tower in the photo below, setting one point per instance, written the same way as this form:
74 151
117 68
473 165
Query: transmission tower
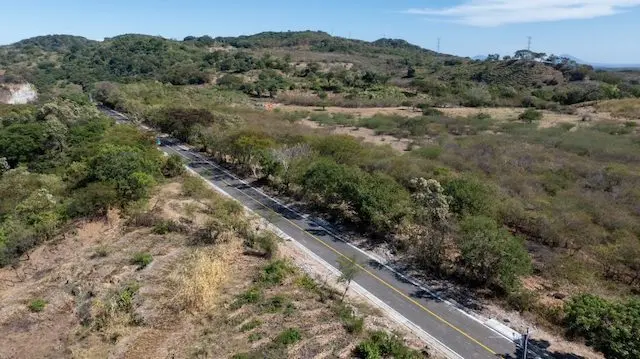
529 43
438 44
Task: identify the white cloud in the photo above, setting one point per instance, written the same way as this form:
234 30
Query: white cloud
500 12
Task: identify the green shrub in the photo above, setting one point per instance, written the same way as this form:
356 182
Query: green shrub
428 152
37 305
193 186
167 226
254 337
93 200
305 281
251 296
173 166
100 252
381 344
522 299
469 196
288 337
352 323
266 242
430 111
491 254
250 325
367 350
530 115
277 303
275 272
142 259
612 328
124 298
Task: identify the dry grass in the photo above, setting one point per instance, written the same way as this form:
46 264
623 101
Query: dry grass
626 108
181 305
198 283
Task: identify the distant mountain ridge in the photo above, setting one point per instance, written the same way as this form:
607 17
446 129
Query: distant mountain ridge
600 65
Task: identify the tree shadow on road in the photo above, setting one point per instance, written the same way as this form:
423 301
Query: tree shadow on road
541 348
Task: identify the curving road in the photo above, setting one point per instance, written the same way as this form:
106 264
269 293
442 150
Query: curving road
462 333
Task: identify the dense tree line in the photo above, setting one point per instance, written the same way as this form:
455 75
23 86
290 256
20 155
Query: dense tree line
329 172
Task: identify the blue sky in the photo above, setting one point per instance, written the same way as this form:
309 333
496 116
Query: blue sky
593 30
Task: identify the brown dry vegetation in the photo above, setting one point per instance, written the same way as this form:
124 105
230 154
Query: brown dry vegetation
624 108
567 190
187 303
615 110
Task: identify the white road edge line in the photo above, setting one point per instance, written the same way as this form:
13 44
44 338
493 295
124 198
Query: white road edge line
513 336
392 313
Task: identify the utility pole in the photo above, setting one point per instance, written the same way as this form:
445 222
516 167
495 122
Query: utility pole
526 344
529 43
438 44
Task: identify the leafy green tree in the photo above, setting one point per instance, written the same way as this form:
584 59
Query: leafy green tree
490 254
127 168
180 122
252 149
612 328
349 269
22 142
343 149
229 81
322 95
94 200
530 115
524 55
286 156
411 72
469 196
432 212
378 201
173 166
327 178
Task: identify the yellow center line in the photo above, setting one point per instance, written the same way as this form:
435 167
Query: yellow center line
425 309
372 274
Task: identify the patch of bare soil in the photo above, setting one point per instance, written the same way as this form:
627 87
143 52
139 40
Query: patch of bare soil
581 116
364 134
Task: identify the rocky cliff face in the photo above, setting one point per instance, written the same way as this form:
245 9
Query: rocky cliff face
17 93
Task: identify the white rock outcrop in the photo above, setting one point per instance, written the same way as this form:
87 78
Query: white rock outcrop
16 94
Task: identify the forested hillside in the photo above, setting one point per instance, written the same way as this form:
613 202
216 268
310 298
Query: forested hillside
289 65
529 210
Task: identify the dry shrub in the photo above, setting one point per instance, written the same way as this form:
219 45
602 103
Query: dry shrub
206 270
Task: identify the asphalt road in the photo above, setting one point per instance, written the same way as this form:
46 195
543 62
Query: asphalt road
458 331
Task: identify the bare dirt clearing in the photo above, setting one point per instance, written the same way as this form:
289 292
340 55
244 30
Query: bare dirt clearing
365 134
